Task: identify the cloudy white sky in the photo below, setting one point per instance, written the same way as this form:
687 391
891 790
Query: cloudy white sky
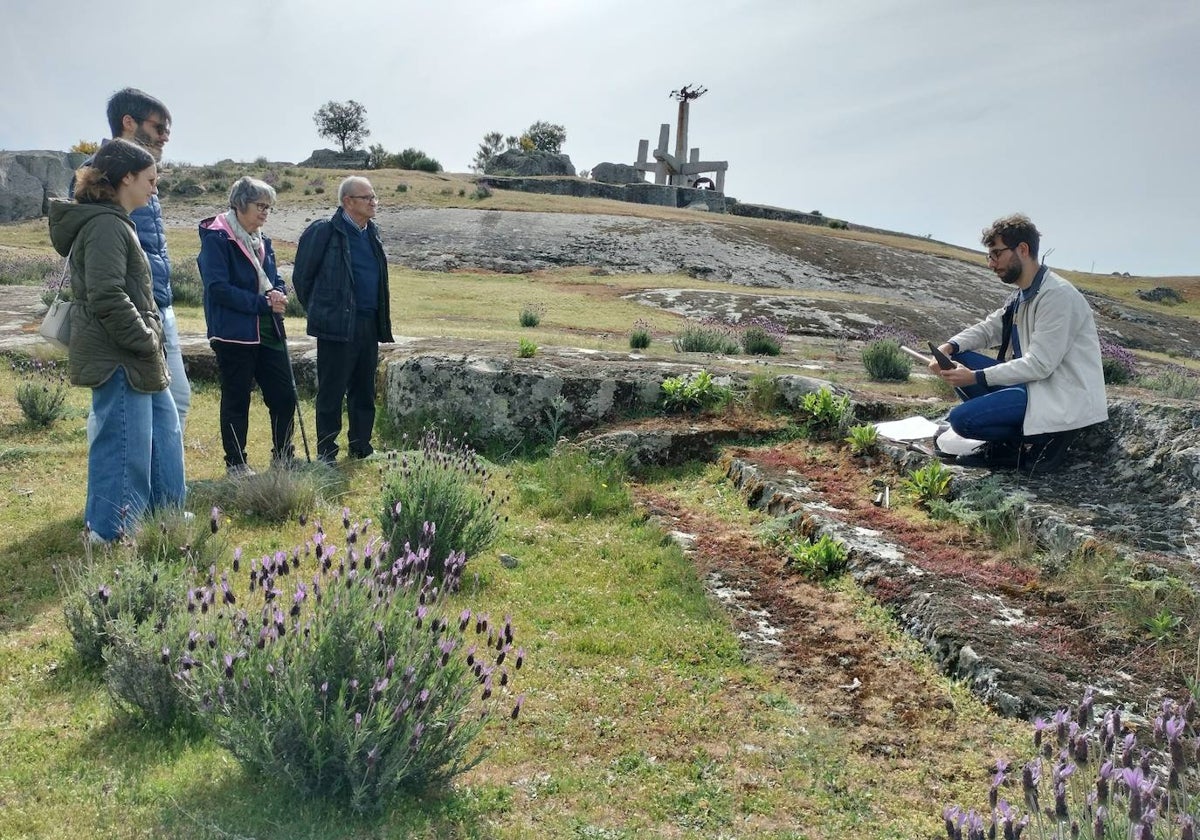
923 116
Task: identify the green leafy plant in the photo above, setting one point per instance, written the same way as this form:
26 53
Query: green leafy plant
826 416
884 361
990 508
820 559
762 393
526 349
929 482
442 482
640 335
531 314
863 439
42 392
1162 625
693 392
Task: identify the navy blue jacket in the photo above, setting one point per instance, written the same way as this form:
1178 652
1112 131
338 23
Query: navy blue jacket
232 301
324 281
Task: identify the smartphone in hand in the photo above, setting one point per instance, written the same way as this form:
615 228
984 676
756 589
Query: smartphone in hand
942 359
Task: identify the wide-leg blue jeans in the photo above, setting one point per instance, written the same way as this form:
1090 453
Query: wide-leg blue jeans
135 461
992 413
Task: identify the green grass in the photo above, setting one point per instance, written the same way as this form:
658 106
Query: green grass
642 717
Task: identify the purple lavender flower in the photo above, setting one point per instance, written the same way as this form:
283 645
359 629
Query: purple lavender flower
517 706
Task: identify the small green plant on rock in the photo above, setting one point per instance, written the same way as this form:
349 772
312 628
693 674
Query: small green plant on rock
526 349
929 482
763 392
693 392
826 416
820 559
863 439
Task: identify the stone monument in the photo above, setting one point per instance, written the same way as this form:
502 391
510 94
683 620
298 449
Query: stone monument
673 169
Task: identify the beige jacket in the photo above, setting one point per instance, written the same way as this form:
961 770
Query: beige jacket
1060 358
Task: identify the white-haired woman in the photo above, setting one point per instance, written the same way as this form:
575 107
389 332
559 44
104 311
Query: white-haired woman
244 300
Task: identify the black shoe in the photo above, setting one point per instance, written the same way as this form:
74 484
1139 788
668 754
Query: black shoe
1046 453
993 455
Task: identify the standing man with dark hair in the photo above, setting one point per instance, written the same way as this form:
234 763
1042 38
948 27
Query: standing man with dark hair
341 277
141 118
1047 381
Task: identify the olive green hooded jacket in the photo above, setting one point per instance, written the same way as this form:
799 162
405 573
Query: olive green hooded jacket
115 322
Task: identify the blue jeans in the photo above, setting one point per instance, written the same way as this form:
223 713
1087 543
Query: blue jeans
992 413
181 389
135 462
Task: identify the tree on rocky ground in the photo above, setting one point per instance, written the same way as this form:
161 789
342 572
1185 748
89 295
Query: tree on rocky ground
345 122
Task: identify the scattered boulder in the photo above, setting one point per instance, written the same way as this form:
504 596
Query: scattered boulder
1161 294
331 159
616 173
28 180
516 162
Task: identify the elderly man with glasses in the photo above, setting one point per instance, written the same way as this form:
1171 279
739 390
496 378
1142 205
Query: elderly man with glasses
1046 382
341 277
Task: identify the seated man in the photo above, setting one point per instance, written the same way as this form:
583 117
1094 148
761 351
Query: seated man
1028 405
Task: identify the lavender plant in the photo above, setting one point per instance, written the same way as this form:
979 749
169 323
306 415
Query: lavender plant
342 673
42 391
885 362
142 579
707 336
444 482
1096 780
762 336
1118 363
640 335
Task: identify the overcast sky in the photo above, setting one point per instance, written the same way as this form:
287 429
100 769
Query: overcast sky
922 116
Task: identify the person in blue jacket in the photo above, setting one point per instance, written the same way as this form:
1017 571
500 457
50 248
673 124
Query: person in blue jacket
244 300
341 277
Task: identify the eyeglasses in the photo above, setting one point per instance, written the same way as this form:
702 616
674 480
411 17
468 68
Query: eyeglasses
994 253
263 208
372 198
162 129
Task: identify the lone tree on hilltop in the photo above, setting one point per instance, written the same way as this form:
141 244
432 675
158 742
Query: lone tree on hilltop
345 122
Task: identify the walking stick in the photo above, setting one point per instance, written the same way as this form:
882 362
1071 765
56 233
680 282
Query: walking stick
277 320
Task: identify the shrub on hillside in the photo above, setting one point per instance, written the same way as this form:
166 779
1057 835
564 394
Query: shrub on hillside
762 336
444 484
17 269
640 335
884 361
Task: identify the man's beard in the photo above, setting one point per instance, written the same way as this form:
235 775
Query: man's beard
1011 274
148 143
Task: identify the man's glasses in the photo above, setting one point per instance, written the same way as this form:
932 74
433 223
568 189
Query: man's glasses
372 198
994 253
161 129
263 208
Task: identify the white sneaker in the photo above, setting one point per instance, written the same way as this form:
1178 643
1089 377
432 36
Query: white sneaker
239 471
